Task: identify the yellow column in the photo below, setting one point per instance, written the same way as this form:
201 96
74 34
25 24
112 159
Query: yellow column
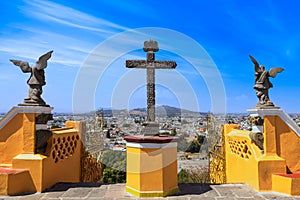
270 148
270 163
29 132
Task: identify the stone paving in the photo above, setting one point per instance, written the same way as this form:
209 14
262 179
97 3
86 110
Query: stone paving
192 191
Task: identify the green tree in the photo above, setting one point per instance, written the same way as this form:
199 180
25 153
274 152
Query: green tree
111 175
114 164
195 145
174 132
183 176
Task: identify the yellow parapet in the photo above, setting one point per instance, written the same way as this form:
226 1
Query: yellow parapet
62 164
22 169
241 162
151 166
267 164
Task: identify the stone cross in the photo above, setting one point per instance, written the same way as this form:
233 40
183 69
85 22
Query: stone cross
150 64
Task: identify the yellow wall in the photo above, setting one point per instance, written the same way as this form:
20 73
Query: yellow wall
60 166
62 163
288 145
17 137
239 168
67 169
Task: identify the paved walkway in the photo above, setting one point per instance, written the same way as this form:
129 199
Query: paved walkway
93 191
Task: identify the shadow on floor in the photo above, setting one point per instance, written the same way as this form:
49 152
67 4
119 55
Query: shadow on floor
65 186
192 188
184 188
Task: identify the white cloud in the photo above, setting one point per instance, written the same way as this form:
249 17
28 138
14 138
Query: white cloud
70 46
49 11
31 49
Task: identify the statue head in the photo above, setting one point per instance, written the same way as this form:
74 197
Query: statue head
262 68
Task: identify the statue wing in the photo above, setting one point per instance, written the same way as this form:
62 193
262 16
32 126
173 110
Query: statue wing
24 66
273 71
42 62
256 65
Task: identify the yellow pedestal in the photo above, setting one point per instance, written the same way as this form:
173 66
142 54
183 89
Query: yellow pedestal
151 166
286 183
15 181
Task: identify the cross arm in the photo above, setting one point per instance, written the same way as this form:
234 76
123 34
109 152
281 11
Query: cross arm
165 64
136 63
158 64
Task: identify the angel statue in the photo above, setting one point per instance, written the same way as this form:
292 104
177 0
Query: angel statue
36 80
262 83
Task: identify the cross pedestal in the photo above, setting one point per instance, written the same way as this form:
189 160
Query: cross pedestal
151 169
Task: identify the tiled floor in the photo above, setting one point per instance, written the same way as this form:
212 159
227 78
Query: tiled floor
93 191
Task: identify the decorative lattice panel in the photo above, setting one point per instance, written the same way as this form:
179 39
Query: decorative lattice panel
91 169
240 148
63 146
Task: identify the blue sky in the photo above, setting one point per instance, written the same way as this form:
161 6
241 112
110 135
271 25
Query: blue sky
100 35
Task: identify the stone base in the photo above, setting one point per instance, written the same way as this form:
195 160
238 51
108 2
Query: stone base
150 129
151 166
266 107
33 104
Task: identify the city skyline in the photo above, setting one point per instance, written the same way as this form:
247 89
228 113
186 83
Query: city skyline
101 35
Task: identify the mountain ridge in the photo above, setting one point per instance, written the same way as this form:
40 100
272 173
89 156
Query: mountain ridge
163 110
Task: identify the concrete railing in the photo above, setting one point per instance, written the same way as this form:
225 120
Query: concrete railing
276 112
23 109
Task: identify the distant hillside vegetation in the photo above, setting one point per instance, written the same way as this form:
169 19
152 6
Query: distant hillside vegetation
160 111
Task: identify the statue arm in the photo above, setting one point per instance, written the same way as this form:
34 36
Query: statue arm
256 65
24 66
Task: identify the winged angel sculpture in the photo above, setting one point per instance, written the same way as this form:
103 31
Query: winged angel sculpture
262 83
36 80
